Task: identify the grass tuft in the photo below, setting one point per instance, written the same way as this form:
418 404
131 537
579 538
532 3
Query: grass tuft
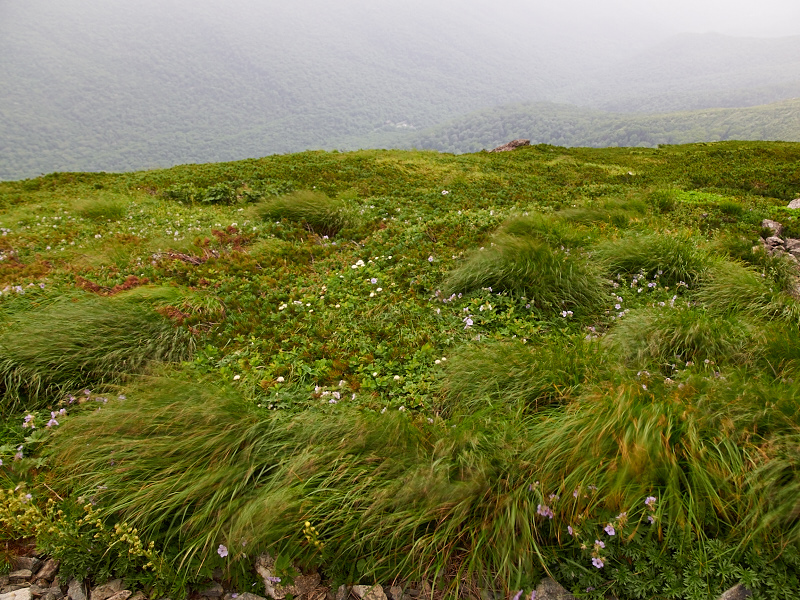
81 342
664 337
315 210
676 257
515 375
553 279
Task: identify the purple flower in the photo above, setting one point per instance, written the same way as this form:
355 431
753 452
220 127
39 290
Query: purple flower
545 511
598 544
570 530
651 519
222 551
650 500
598 562
609 529
533 595
274 579
430 259
517 595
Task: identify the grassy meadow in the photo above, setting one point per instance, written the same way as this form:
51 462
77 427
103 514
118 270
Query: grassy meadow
391 366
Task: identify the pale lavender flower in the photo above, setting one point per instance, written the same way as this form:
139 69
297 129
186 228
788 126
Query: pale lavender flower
545 511
651 519
598 562
570 530
599 545
517 596
650 500
609 529
222 551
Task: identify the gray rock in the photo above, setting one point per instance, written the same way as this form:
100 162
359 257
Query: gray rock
550 589
76 590
775 227
54 593
122 595
249 596
737 592
37 591
20 594
774 242
793 246
215 590
512 145
48 570
31 563
13 587
20 576
138 596
106 590
794 203
368 592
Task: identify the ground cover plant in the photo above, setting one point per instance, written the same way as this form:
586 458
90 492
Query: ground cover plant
390 366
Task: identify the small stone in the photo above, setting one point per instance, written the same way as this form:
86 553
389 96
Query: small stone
31 563
48 570
369 592
76 590
342 593
215 590
106 590
38 591
122 595
738 592
20 594
138 596
20 576
55 592
13 587
249 596
395 593
794 203
550 589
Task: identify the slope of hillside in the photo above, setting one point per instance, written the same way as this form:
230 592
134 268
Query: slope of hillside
473 371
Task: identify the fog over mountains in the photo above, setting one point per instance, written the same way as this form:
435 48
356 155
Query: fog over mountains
117 85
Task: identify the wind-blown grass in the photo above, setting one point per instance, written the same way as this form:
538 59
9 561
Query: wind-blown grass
193 468
81 342
663 337
316 211
729 287
553 279
674 258
519 376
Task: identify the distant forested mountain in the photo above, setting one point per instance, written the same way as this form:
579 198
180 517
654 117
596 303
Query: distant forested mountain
566 125
118 85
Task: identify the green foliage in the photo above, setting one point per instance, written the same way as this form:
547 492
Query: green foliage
554 280
673 258
663 337
91 341
517 375
366 404
315 210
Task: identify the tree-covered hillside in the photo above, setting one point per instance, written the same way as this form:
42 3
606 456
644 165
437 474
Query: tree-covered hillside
566 125
111 85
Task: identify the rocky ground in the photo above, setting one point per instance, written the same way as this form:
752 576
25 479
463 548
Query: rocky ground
36 578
